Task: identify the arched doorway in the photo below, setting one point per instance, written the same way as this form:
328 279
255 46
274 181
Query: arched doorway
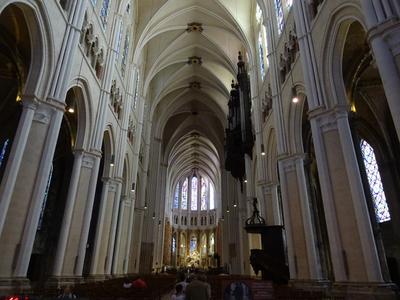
53 205
376 145
15 61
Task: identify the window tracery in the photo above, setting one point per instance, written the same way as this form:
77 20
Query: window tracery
279 15
193 204
176 198
184 194
104 12
375 182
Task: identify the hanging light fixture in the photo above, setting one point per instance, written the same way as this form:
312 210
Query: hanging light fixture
70 109
262 150
112 160
222 218
145 205
234 204
227 209
154 215
295 98
133 187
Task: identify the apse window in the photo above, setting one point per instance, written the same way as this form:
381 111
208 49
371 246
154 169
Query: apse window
184 194
104 12
375 182
279 15
193 244
176 198
193 205
204 192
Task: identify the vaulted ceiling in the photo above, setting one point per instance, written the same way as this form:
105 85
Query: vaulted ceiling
190 50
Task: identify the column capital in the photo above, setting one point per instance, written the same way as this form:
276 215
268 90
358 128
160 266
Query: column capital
327 119
30 101
289 161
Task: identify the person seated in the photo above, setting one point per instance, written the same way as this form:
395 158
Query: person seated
179 294
139 283
182 281
67 293
127 284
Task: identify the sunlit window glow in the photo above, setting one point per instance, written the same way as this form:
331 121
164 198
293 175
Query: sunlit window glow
193 203
289 4
176 197
184 194
375 182
204 191
211 204
259 16
261 55
193 244
279 15
104 12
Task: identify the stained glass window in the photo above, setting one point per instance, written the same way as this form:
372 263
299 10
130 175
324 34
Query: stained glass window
176 197
136 90
193 202
119 39
193 244
261 55
104 12
259 15
204 190
183 244
184 194
375 182
211 201
279 15
4 150
203 245
124 58
173 244
212 242
289 4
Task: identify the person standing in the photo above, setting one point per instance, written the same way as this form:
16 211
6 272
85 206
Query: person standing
198 289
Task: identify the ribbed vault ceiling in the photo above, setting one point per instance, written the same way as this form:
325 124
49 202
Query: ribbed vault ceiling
187 76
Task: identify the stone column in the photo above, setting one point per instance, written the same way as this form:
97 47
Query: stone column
94 268
69 208
273 211
94 164
113 226
120 228
303 260
45 128
383 36
17 150
353 251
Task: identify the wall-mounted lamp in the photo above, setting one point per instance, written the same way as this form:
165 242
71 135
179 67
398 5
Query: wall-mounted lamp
133 187
262 150
112 160
295 98
70 109
245 181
